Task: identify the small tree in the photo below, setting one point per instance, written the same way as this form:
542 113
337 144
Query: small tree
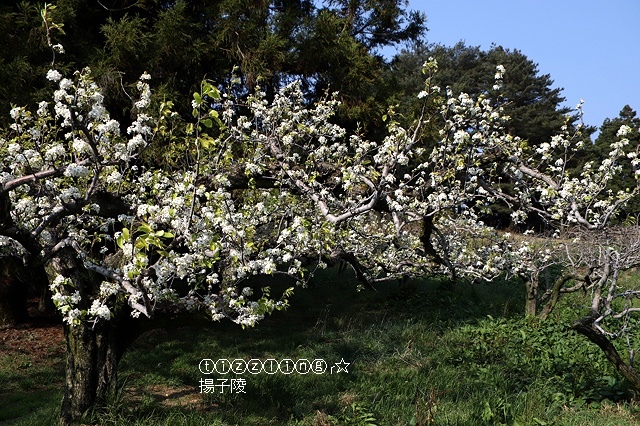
608 254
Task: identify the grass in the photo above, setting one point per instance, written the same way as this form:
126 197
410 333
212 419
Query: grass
420 353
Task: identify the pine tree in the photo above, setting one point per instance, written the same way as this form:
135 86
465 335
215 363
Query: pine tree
328 45
535 107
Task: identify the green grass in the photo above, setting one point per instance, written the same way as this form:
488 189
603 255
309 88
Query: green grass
420 353
29 391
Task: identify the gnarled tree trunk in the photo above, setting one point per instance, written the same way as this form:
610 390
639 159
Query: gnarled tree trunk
91 370
585 327
93 349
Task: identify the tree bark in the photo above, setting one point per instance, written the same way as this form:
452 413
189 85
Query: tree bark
585 327
93 349
531 304
91 370
554 296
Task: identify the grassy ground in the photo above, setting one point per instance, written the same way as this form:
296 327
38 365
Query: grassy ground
420 354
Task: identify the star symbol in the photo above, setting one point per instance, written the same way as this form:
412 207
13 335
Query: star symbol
342 365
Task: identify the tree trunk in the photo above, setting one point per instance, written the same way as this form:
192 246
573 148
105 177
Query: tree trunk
586 328
93 349
554 296
91 371
531 305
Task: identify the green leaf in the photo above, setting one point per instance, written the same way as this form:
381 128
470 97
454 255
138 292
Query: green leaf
205 141
153 241
145 228
210 90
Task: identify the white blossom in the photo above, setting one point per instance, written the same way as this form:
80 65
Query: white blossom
100 310
76 170
54 75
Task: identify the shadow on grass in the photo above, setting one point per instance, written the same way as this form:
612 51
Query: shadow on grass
331 321
330 306
30 393
35 407
422 352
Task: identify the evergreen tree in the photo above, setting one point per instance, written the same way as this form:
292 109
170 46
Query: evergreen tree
328 45
528 97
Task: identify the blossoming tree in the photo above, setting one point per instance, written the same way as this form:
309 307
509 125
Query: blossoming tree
266 188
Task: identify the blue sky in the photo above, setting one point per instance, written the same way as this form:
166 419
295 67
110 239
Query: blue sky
591 48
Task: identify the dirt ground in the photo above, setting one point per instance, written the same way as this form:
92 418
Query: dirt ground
40 343
41 340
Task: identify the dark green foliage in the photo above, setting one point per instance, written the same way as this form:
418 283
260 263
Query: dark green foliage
330 46
22 68
378 23
530 101
527 96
